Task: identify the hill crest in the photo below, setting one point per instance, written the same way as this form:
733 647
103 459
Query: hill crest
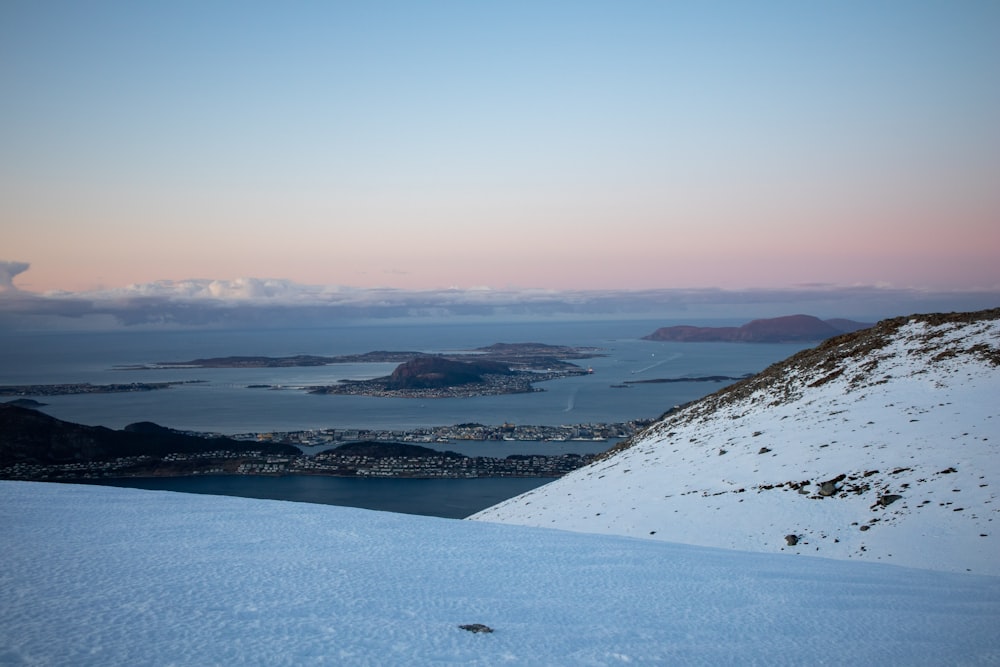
876 445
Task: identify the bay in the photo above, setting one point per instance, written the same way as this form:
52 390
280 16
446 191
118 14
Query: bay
222 401
447 498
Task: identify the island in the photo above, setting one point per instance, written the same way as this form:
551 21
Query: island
787 329
501 368
65 389
441 377
522 355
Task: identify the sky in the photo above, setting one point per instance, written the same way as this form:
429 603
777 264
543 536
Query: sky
545 145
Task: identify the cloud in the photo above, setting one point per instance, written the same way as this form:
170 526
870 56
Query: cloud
278 303
7 272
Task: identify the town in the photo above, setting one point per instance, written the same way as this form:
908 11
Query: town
332 463
457 432
351 453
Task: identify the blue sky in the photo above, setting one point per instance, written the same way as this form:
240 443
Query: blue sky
575 144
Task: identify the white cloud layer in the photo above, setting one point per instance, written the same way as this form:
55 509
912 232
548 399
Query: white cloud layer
256 301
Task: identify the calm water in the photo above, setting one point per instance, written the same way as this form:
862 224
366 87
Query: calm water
222 402
448 498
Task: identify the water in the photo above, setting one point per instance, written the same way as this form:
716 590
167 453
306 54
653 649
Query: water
222 402
448 498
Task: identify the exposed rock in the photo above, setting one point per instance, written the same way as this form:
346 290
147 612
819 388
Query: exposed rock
791 540
889 499
831 486
476 627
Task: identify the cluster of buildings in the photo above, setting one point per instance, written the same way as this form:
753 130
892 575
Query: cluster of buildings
444 466
224 462
77 470
455 433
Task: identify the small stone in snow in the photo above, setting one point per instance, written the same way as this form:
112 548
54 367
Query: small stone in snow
476 627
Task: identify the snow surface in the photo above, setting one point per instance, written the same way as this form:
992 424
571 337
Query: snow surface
909 409
107 576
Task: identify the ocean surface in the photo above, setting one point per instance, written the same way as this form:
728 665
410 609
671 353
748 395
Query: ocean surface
223 402
447 498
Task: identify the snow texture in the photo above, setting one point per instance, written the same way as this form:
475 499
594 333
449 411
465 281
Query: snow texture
901 421
106 576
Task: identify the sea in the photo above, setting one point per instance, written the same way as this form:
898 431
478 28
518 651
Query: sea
225 401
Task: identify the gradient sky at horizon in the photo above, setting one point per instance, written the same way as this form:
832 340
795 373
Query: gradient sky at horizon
565 145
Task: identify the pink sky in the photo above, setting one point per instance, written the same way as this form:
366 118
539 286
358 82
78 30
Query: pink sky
663 146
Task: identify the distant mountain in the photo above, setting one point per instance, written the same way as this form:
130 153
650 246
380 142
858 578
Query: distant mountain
883 444
29 436
791 328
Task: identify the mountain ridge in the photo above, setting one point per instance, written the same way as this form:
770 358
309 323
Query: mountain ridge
875 445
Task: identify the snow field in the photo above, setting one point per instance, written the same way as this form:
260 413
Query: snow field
917 418
107 576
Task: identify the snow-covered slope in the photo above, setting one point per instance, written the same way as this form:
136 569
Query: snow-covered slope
880 445
107 576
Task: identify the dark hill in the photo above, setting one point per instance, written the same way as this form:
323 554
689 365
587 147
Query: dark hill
435 372
790 328
30 436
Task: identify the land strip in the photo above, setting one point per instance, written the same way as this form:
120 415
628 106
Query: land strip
86 388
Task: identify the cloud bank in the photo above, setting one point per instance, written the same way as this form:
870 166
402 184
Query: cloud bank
277 303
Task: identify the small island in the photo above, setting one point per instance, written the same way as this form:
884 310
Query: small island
66 389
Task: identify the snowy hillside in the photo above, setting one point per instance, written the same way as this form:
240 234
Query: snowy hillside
882 445
106 576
